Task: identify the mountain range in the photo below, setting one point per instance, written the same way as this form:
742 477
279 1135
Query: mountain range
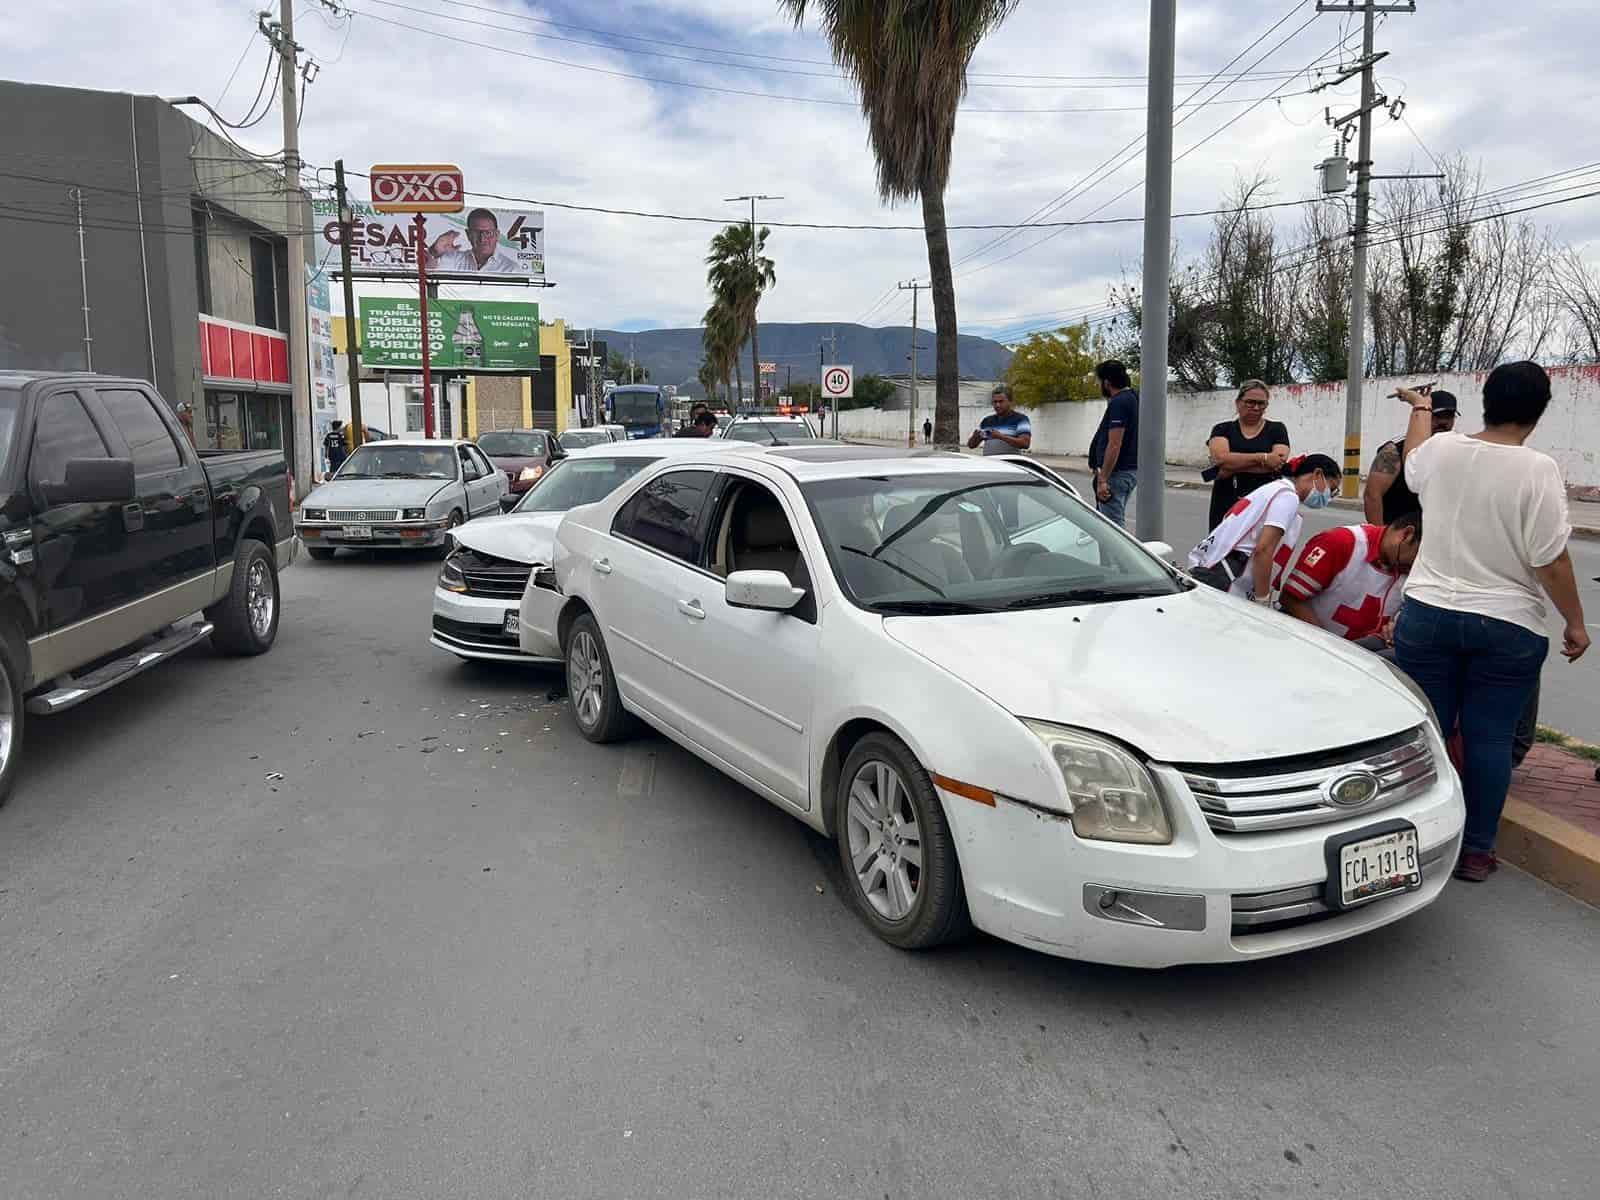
674 355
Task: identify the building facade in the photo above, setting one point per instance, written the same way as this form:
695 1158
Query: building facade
142 244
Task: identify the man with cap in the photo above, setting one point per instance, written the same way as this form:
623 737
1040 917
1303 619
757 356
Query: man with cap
1387 495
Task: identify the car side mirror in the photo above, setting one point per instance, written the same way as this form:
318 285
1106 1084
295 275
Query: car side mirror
1160 549
556 451
509 501
93 481
769 591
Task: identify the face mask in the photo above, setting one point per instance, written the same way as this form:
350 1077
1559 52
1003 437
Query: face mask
1319 498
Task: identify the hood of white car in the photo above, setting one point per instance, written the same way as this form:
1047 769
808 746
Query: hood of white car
375 493
520 537
1196 677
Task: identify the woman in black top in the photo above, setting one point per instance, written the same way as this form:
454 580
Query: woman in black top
1246 452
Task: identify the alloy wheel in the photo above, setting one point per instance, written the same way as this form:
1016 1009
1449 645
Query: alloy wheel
585 679
260 598
885 840
8 719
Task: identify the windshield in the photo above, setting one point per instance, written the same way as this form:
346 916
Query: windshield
575 481
635 408
512 445
765 431
577 439
385 460
9 399
951 543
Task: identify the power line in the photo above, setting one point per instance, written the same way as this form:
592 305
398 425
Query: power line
683 83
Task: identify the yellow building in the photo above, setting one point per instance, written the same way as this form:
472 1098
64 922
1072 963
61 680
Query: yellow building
494 401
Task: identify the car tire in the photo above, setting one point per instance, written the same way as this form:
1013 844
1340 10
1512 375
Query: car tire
321 553
246 619
896 850
454 521
13 711
596 707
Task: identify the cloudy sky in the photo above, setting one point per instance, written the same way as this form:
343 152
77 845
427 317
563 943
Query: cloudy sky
587 104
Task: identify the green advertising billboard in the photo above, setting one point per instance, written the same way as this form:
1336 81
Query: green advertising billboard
464 335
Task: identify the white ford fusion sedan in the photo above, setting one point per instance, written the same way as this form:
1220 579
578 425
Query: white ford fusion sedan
1005 711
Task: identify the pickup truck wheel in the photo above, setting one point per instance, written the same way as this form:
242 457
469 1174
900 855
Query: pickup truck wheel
12 715
321 553
592 686
896 848
246 619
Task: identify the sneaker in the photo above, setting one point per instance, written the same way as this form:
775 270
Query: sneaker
1476 865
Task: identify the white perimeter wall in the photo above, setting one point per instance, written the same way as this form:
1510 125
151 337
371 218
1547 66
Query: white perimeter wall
1314 413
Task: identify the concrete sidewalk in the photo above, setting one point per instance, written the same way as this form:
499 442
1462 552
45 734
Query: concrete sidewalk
1551 824
1585 513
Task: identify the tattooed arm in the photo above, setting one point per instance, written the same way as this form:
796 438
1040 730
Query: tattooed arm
1385 470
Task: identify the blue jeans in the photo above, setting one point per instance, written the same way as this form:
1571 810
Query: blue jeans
1122 484
1478 674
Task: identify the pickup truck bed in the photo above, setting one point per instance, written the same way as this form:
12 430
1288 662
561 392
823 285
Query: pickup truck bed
113 530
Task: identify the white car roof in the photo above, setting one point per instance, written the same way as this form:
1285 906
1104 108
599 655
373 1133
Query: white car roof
662 448
833 461
436 443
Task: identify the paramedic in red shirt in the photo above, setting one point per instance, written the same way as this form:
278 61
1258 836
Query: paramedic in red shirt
1349 581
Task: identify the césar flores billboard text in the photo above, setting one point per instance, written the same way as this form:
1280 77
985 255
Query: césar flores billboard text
475 241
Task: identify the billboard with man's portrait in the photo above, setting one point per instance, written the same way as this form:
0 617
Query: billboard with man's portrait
476 242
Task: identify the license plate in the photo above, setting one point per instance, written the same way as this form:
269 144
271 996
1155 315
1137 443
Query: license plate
358 531
513 623
1380 866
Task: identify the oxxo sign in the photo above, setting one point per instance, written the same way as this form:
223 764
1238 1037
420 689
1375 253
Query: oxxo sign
417 188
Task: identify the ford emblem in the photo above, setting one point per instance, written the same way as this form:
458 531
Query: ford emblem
1352 791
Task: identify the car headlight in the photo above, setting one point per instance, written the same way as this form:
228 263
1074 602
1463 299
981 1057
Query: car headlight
529 474
1417 694
450 577
1113 797
313 514
413 514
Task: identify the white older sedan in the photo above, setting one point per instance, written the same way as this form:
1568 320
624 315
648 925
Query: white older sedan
1005 711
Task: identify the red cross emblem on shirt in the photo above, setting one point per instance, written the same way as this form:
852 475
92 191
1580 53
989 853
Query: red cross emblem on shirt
1359 622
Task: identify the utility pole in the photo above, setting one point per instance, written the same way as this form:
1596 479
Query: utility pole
911 429
833 345
1150 517
1356 363
281 35
347 220
755 339
83 282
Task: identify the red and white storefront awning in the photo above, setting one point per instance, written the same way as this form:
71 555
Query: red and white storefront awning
243 357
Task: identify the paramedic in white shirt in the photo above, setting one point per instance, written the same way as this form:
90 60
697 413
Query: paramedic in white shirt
1262 529
1472 632
484 253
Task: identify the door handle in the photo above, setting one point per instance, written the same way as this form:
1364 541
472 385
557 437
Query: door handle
133 517
692 610
602 566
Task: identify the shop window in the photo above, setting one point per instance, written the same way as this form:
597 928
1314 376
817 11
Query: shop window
264 277
264 421
224 423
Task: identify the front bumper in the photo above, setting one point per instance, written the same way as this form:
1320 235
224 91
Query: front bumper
1218 897
388 535
541 615
474 627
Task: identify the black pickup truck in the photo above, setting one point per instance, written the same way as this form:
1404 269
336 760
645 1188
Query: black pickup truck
113 531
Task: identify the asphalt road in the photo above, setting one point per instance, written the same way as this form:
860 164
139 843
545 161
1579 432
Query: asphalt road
456 951
1569 697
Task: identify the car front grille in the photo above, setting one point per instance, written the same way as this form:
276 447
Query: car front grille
495 578
1291 793
473 636
362 516
1267 912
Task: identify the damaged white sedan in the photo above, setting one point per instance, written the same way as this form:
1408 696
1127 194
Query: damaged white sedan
1005 711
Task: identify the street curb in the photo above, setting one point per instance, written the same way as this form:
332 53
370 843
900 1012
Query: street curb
1557 851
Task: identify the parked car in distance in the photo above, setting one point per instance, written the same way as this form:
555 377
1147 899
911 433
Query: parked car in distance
115 531
617 433
477 599
1002 708
583 439
771 430
523 454
399 495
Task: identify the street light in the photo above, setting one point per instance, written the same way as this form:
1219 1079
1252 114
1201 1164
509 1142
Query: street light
755 341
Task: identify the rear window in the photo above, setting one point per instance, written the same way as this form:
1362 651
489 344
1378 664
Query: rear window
10 399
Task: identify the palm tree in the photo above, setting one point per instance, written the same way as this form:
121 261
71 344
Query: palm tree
722 337
709 378
909 59
738 273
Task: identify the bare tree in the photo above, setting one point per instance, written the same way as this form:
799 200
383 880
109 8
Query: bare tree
1575 291
1252 291
1322 302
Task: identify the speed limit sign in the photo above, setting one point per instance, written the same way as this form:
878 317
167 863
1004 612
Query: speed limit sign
838 382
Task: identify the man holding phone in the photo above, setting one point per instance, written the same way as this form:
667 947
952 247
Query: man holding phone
1004 431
